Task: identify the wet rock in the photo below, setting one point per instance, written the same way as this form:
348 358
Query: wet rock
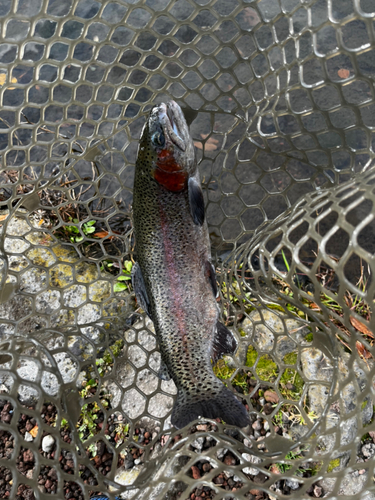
128 476
263 326
351 485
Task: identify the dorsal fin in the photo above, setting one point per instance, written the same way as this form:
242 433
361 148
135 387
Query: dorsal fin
224 342
196 201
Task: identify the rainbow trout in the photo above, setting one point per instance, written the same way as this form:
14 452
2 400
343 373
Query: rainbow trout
174 279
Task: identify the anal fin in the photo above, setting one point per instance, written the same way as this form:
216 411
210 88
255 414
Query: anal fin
140 289
224 342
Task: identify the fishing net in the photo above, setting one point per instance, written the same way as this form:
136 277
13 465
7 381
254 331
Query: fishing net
280 98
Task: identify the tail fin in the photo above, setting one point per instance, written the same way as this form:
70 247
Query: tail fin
222 404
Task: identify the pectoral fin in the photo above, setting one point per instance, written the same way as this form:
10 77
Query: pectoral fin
163 372
224 342
196 201
210 271
140 289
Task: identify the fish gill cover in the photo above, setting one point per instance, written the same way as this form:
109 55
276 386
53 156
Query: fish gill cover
279 95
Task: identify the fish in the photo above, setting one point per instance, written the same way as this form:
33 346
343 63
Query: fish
103 497
173 278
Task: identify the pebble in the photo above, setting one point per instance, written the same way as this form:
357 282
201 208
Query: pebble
292 484
318 491
198 443
220 453
28 436
229 460
368 450
247 443
254 460
48 443
257 425
195 472
30 473
202 427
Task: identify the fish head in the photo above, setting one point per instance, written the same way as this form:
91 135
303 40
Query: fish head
167 139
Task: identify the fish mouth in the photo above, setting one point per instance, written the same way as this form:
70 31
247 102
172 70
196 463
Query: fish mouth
170 116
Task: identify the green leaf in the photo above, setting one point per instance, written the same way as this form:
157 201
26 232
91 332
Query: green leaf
90 222
123 277
89 230
79 238
119 287
128 264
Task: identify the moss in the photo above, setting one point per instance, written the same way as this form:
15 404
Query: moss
276 307
309 337
364 404
251 356
222 370
290 358
316 468
267 369
241 332
117 347
114 350
293 377
333 464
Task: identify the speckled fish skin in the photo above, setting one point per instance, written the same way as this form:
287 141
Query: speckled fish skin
174 279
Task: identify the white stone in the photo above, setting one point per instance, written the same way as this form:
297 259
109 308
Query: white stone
48 443
28 437
254 460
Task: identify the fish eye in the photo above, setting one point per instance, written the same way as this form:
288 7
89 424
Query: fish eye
158 139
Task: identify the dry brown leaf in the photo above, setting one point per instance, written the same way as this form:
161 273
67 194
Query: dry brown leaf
101 234
271 397
343 73
3 217
34 431
362 351
361 327
314 306
104 234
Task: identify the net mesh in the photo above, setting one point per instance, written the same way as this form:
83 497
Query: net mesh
280 98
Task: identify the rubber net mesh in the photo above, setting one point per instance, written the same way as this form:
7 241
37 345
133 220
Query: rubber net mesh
280 97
